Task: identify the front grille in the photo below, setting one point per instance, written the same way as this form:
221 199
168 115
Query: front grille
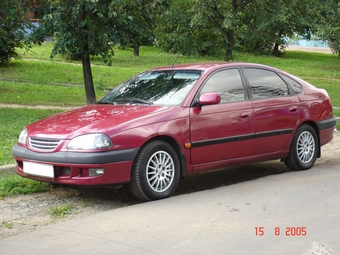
43 144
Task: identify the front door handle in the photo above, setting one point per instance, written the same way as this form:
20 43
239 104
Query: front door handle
245 114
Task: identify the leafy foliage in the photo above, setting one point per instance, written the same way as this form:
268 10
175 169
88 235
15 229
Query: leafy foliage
199 26
329 28
278 20
258 26
81 27
14 23
84 28
140 28
175 31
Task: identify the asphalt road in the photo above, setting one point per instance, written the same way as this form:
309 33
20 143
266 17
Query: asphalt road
274 212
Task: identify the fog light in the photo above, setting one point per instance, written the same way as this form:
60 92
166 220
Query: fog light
64 171
96 171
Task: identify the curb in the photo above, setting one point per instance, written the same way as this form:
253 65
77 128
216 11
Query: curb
7 167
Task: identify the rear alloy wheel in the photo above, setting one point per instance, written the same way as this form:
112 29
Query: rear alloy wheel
155 174
304 149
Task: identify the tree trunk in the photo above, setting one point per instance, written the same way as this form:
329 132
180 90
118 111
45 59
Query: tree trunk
276 51
229 46
88 81
136 48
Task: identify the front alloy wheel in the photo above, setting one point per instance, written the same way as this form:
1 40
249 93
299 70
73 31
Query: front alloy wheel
156 172
160 171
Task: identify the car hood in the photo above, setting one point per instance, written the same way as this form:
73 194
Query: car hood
91 119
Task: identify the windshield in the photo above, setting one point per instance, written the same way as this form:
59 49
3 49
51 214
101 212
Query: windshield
165 88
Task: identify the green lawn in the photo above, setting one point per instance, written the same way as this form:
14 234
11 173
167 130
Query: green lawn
38 80
12 122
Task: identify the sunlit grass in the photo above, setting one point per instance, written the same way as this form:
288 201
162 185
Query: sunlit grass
14 184
12 122
62 210
41 94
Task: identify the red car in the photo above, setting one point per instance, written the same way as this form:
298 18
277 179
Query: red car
169 122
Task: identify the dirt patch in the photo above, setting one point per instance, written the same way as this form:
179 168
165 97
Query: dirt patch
26 213
42 107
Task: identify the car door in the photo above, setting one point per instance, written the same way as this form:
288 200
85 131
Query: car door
222 131
276 110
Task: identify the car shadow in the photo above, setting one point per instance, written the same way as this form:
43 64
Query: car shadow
229 176
192 183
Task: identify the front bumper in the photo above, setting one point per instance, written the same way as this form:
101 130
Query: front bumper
73 168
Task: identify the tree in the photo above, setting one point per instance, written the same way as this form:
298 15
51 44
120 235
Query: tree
224 18
84 28
278 21
14 24
175 32
202 26
329 24
140 28
258 26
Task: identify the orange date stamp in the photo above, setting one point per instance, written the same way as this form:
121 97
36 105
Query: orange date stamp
287 231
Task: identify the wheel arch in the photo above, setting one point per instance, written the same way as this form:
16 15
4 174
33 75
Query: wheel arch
177 148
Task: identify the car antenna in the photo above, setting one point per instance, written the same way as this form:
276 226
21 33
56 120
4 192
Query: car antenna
173 64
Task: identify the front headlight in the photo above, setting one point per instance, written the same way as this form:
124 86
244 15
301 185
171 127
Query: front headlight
89 142
23 136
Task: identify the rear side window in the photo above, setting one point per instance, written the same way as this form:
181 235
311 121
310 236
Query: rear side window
265 83
227 83
296 87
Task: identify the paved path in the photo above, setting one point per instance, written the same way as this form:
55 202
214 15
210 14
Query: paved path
37 106
310 49
218 221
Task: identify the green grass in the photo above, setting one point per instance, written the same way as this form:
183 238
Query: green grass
41 94
12 122
8 224
14 184
61 210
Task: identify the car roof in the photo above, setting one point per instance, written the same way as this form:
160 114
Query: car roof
208 66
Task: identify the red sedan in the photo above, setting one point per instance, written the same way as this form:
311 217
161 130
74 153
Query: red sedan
168 122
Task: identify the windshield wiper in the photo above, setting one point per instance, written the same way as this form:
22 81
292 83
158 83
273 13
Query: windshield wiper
105 102
133 100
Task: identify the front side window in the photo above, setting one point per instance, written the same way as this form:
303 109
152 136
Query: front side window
163 88
265 83
227 83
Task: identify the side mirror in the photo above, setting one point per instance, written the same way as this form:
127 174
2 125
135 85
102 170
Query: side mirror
210 98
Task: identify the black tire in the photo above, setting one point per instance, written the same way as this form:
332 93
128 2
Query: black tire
304 149
156 171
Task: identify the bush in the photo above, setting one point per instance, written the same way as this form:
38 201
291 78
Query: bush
14 24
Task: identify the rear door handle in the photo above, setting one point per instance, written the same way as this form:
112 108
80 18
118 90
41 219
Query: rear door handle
293 109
